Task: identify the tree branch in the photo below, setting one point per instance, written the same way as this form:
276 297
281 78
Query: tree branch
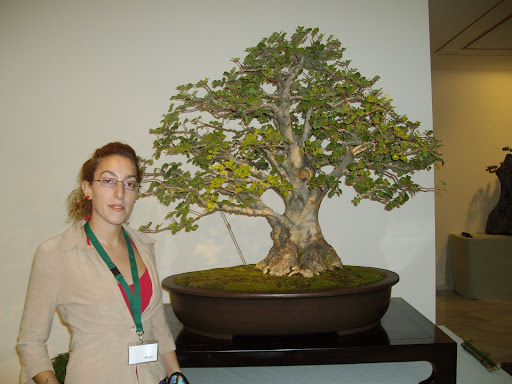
271 159
268 106
248 211
339 170
166 228
285 126
260 175
307 127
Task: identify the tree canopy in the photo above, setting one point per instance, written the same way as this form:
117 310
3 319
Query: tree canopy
293 118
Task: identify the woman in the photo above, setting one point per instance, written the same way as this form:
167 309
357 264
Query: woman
102 277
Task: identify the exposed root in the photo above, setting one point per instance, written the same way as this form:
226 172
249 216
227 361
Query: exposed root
289 260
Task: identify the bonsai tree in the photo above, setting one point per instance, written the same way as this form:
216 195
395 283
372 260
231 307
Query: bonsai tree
292 118
499 221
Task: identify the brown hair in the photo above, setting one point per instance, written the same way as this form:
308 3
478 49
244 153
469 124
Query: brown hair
78 206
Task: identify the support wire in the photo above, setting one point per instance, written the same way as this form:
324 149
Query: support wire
228 226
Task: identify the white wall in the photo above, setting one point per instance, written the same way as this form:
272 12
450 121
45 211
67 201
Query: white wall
76 75
473 119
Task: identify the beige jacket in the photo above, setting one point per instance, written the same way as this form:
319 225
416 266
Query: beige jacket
70 275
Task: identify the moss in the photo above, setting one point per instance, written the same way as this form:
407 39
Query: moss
59 363
249 279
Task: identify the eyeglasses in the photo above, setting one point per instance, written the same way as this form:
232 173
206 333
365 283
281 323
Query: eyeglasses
108 182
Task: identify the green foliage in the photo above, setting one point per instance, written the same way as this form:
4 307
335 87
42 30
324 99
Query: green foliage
60 363
291 113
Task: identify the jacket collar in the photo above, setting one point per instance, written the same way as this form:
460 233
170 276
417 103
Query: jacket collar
74 237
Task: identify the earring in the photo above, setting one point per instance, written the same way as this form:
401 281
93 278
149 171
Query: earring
88 197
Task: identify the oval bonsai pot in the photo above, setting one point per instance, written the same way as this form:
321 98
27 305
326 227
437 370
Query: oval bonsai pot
223 314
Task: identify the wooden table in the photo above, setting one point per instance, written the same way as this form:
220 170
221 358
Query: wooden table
404 335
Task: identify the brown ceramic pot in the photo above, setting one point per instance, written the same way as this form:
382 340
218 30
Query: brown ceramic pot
223 314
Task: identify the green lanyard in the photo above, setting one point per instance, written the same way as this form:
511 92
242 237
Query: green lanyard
133 299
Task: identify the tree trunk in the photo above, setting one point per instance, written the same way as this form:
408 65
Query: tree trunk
299 246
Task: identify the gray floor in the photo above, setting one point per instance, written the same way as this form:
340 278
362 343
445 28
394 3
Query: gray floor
487 322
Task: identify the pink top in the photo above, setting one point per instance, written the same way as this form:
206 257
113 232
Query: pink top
146 286
146 291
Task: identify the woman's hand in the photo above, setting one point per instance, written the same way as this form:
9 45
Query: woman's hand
171 363
45 377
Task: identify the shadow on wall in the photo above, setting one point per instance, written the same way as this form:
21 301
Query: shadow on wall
482 203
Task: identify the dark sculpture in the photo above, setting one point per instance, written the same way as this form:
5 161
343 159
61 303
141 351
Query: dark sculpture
499 221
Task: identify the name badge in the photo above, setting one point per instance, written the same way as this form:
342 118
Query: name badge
142 353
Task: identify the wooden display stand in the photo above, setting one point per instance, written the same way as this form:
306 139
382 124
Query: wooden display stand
481 265
404 335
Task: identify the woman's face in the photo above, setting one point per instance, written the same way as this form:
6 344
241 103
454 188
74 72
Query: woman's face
112 205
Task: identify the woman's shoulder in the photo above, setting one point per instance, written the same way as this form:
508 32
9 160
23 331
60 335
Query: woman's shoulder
66 240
